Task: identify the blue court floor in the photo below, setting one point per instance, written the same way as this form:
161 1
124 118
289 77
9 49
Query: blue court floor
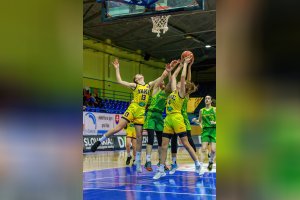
124 183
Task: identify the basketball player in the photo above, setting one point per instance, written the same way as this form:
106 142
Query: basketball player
174 122
130 140
136 110
154 120
207 120
190 88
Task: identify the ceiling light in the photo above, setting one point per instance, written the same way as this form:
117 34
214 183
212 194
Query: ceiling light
207 46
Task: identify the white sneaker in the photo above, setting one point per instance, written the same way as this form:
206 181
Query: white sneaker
198 170
138 166
173 168
158 175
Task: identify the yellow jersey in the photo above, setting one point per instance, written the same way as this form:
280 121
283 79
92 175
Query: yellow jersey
174 103
141 94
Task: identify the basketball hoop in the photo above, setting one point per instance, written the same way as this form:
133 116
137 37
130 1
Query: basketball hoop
160 23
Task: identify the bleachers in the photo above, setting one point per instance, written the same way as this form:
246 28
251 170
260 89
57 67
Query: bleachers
110 106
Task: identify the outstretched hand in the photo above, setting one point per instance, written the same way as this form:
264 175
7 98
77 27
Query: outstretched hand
170 66
188 59
116 63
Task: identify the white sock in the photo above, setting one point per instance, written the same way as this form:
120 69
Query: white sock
128 155
148 158
197 163
138 156
174 160
212 156
161 168
103 138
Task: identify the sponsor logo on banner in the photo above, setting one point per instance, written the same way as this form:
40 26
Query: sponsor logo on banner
97 123
89 124
88 141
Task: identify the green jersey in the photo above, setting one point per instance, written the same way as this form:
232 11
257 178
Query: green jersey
207 116
158 102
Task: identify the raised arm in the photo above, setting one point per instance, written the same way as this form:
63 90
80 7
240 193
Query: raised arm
118 75
173 77
159 80
169 68
189 73
182 79
168 86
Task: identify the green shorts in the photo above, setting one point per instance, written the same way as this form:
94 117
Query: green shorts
209 135
154 121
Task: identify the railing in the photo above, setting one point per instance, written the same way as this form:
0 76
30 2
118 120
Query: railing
116 95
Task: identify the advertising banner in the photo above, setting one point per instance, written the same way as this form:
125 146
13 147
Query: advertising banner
99 123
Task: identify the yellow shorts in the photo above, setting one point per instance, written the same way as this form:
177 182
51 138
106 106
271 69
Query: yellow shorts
174 123
135 114
131 133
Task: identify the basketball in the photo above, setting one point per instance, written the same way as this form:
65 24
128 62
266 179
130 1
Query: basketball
186 54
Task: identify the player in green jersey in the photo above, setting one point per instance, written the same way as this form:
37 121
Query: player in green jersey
207 120
174 122
154 121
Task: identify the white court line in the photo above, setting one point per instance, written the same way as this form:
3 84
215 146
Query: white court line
182 169
148 176
148 184
104 169
149 191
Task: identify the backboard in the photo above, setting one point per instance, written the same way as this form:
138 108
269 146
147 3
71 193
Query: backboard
118 9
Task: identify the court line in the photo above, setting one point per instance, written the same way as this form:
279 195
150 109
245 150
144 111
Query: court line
148 176
149 191
148 184
103 169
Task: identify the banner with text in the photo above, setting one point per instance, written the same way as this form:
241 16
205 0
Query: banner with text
99 123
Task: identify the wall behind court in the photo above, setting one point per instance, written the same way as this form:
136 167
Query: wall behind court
98 71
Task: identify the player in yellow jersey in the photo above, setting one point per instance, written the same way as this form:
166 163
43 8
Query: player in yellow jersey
130 140
190 88
174 121
136 110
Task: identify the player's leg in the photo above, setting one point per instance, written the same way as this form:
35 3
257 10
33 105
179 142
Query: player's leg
128 143
119 127
208 150
174 146
164 148
190 139
139 139
212 156
191 151
149 149
159 126
203 152
133 149
212 144
166 136
149 126
159 141
205 139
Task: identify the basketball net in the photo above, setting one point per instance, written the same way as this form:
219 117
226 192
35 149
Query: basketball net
160 23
